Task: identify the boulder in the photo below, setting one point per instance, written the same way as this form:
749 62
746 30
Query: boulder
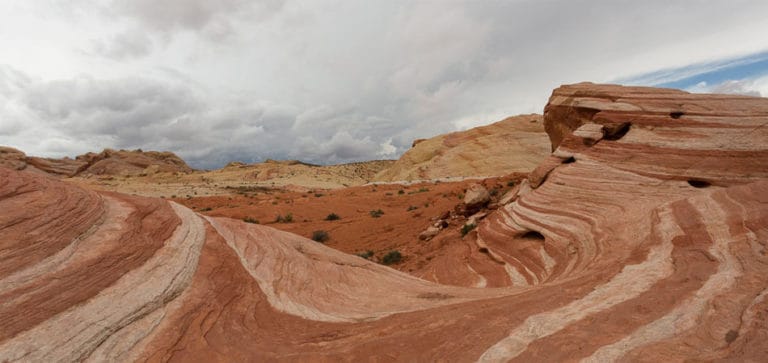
429 233
476 197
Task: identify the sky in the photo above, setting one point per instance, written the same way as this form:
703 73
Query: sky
328 81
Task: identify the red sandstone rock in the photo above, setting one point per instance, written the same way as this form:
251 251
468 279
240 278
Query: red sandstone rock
116 162
648 243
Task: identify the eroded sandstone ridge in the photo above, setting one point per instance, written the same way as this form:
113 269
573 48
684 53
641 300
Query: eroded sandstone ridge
515 144
107 162
642 238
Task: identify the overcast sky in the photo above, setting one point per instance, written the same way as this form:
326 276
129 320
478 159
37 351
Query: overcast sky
336 81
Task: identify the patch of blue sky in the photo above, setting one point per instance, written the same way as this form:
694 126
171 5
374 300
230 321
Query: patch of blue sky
746 67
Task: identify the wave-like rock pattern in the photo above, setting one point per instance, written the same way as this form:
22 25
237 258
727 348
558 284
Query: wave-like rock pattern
642 238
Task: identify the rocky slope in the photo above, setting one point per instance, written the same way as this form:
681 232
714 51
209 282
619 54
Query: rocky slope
515 144
643 238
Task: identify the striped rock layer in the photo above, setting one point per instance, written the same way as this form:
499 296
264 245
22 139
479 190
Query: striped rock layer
642 238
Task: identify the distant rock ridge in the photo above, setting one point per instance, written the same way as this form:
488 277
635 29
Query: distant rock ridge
107 162
115 162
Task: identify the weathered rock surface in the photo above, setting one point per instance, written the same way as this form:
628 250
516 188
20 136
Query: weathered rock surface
133 162
515 144
476 196
107 162
658 199
429 233
18 160
646 244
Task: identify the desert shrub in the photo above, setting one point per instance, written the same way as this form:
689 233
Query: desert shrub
461 195
366 255
320 236
376 213
206 209
401 192
250 220
318 195
412 207
332 217
392 257
510 183
494 192
467 228
288 218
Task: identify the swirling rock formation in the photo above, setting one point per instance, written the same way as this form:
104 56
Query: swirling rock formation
642 238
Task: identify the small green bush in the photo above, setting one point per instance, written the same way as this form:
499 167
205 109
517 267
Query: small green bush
392 257
467 228
250 220
206 209
510 183
332 217
376 213
320 236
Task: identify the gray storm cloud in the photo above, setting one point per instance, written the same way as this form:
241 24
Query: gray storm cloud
325 82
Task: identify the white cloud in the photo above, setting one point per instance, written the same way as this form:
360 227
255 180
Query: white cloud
387 149
757 87
126 45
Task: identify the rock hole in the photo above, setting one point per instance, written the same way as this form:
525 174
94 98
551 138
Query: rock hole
676 114
698 183
533 235
731 335
615 132
569 160
483 250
